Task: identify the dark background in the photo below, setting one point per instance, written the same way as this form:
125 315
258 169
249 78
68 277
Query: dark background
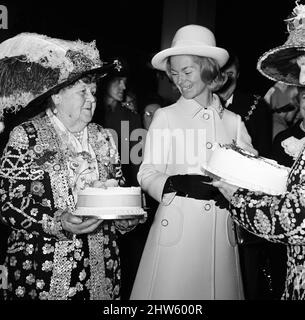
251 28
132 29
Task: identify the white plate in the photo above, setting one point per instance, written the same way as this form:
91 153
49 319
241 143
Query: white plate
111 215
117 216
236 182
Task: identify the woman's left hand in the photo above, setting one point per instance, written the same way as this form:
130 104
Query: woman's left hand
225 188
126 223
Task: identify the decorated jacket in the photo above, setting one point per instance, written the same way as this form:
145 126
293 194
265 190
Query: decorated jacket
279 219
43 261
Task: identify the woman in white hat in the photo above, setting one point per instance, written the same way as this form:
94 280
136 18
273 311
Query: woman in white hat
280 218
191 252
53 254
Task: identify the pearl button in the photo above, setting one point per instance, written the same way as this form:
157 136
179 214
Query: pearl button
207 207
206 116
164 222
209 145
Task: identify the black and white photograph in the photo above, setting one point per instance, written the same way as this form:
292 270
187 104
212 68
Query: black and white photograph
152 157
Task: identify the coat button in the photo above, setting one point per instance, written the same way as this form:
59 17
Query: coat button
164 222
206 116
207 206
209 145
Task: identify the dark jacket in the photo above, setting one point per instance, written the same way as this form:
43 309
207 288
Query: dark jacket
257 117
123 122
278 152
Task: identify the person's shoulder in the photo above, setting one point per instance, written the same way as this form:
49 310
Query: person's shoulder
230 114
167 112
283 135
171 108
242 96
18 136
249 98
95 127
126 113
96 132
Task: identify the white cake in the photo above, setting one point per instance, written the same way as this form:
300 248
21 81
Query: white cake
246 170
110 203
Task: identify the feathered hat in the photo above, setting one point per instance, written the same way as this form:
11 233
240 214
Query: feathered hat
34 66
286 63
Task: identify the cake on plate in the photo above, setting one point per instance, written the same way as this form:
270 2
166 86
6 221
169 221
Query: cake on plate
110 203
246 170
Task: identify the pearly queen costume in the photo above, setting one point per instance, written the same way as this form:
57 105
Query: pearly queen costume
282 218
41 171
39 174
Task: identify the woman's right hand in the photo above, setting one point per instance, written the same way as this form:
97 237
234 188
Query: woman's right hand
225 188
79 225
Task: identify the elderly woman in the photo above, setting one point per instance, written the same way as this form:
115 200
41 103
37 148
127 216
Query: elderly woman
53 254
280 218
191 251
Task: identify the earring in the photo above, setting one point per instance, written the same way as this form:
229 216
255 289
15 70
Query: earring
55 111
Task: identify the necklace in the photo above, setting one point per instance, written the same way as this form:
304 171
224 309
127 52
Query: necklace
253 107
79 135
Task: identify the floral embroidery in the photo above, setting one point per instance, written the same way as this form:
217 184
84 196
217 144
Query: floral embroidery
29 248
37 188
281 219
262 222
27 265
30 279
82 275
47 266
20 291
33 197
40 284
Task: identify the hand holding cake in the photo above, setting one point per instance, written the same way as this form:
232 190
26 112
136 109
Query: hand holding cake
77 225
105 184
225 188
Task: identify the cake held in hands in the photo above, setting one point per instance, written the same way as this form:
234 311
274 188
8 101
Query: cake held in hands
246 170
110 203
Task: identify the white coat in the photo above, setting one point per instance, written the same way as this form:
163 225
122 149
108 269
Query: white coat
190 252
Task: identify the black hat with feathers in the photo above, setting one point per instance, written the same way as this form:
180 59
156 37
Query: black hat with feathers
33 67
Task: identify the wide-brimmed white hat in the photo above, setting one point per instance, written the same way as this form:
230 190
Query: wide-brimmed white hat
193 40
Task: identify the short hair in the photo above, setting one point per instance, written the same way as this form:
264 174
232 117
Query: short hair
232 61
90 78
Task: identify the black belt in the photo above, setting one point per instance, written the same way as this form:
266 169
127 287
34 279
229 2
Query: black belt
203 196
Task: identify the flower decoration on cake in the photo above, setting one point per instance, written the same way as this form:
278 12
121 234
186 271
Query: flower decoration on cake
293 146
235 147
